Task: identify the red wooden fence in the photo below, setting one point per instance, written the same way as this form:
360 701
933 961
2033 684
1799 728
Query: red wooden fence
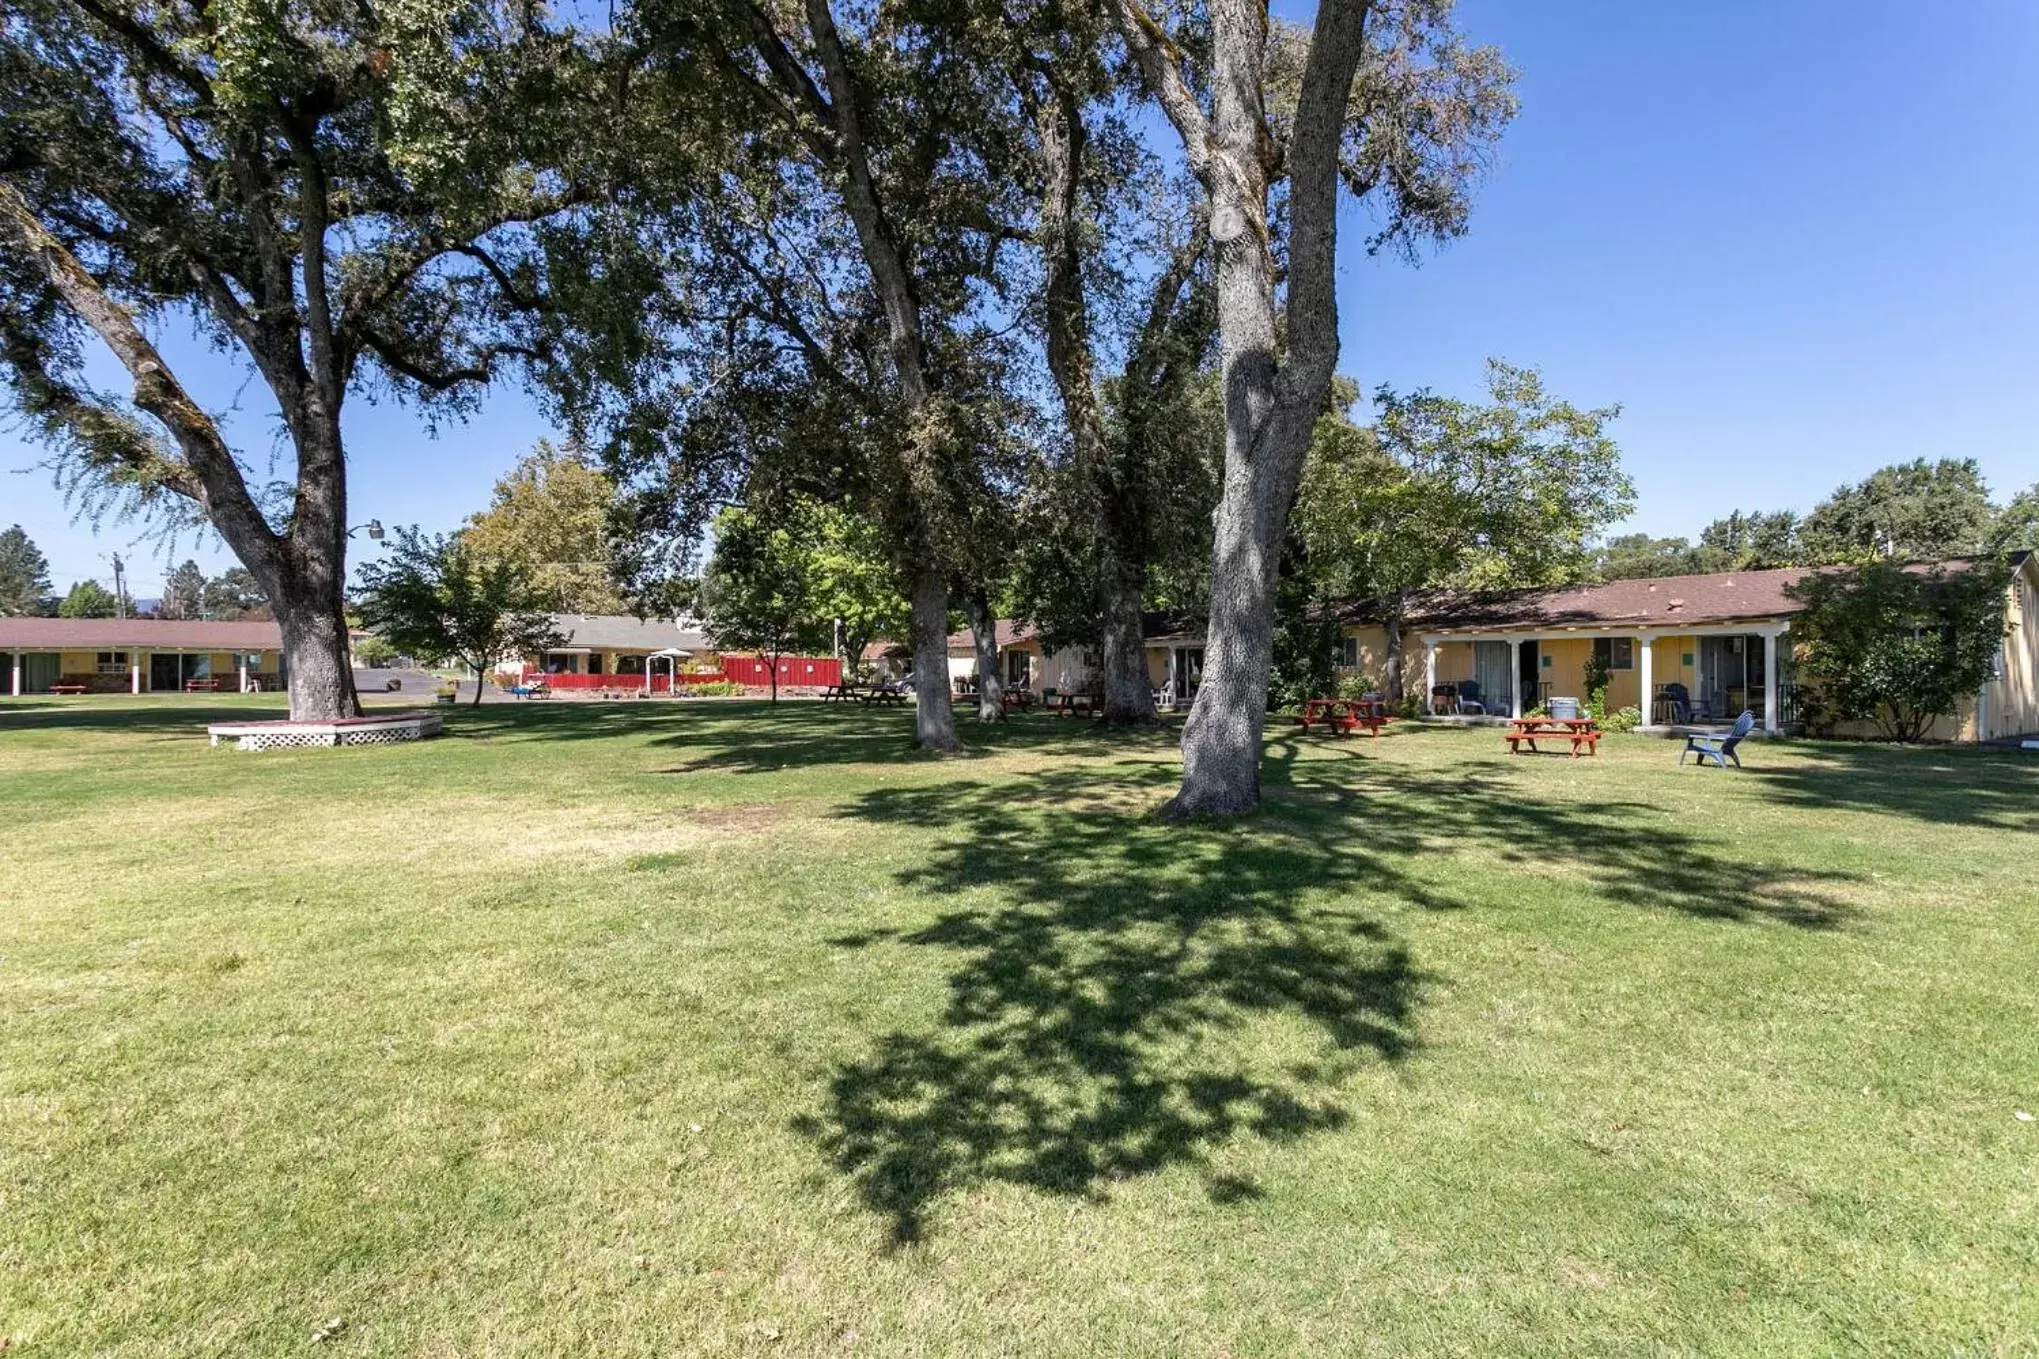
794 671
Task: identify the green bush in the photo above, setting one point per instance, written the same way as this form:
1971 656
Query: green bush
1624 719
1358 684
714 689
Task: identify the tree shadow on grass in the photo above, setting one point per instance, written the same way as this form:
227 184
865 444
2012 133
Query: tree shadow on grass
1127 996
758 739
1947 785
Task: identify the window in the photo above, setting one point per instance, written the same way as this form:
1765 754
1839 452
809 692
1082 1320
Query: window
595 664
1616 653
1348 653
630 665
1018 665
112 663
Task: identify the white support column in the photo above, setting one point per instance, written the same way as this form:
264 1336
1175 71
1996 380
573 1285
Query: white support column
134 672
1646 671
1430 677
17 674
242 658
1770 723
1515 681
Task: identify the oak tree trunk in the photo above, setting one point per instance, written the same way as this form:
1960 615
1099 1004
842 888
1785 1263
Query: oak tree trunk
315 654
1393 678
984 640
1272 396
1128 692
934 718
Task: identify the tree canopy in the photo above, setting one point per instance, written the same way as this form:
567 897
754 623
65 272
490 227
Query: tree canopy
782 579
342 198
24 575
1895 645
550 516
433 596
183 593
88 599
1445 493
1915 511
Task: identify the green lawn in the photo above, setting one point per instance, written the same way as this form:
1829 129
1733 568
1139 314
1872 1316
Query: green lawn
709 1029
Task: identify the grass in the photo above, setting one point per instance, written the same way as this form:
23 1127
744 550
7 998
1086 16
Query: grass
706 1029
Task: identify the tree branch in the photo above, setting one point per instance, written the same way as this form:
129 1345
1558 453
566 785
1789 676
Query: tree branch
482 369
211 475
1159 60
1335 51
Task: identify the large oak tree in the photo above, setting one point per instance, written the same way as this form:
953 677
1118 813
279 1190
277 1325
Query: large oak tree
339 196
1391 104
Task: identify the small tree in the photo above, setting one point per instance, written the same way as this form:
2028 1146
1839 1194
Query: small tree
24 575
759 592
183 593
1899 646
88 599
433 596
1443 493
550 515
234 593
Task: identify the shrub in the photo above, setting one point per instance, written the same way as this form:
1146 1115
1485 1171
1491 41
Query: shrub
1899 647
1624 719
1358 684
726 688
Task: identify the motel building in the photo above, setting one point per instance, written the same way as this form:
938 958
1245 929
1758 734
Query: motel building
138 656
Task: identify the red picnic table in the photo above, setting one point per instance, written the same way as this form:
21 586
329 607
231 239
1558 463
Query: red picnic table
1582 732
201 686
1344 715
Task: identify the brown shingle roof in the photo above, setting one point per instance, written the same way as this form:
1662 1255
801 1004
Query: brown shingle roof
142 634
1657 602
1007 631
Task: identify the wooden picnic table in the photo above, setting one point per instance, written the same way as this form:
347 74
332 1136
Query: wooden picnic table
201 686
1070 702
1017 698
839 693
884 694
68 689
1343 715
1582 732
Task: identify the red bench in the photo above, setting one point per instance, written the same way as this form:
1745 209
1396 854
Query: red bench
68 689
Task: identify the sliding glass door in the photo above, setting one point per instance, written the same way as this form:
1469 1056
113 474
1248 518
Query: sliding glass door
1731 675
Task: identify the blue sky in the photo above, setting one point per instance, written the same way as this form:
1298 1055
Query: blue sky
1796 242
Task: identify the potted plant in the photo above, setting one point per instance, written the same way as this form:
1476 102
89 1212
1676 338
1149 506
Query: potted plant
446 693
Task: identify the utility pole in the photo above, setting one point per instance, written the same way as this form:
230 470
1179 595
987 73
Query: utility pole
119 589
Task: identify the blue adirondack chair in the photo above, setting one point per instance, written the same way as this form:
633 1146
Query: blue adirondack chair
1718 749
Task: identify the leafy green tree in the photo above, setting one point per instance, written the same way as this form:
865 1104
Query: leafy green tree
853 583
1899 646
24 575
759 591
183 593
88 599
1394 107
2018 522
827 195
550 515
433 596
1752 541
342 197
234 593
1446 493
1914 511
1631 556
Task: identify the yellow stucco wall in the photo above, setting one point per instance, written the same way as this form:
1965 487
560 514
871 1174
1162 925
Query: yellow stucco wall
1373 654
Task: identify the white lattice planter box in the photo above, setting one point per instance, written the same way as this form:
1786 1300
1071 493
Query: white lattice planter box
339 731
